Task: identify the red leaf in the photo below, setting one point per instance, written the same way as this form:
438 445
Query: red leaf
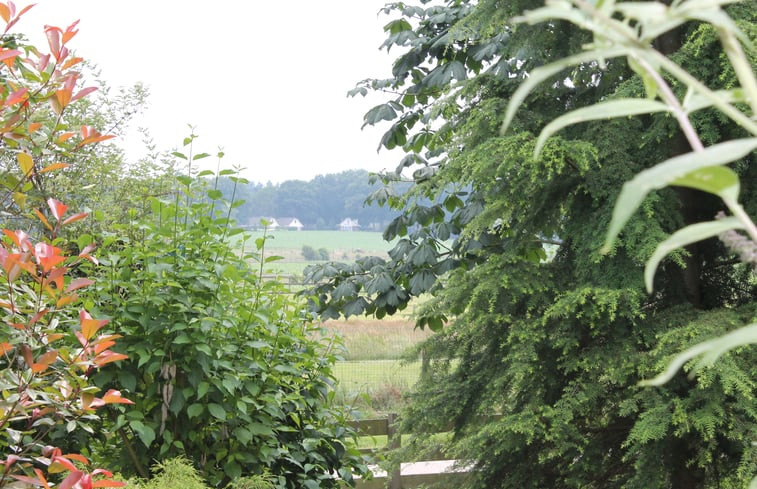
83 93
72 479
114 397
53 39
77 457
109 356
75 217
28 480
16 97
57 208
78 283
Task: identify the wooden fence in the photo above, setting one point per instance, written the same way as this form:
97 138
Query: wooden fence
428 473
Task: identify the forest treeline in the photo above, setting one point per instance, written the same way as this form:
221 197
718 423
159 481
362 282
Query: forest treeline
321 203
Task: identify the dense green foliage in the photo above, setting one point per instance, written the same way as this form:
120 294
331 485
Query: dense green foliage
543 329
224 368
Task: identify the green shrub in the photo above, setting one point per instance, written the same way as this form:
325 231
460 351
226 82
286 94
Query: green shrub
224 368
309 253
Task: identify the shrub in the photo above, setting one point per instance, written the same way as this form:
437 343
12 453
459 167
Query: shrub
223 366
309 253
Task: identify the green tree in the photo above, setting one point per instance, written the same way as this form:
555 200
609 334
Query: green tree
540 327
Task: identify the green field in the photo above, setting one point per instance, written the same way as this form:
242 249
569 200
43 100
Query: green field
341 246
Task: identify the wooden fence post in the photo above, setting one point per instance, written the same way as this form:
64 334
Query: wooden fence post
394 437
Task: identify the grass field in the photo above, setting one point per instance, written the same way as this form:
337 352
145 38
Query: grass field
341 246
374 379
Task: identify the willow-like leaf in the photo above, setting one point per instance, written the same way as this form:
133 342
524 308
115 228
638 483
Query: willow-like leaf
663 174
602 110
710 351
545 72
682 237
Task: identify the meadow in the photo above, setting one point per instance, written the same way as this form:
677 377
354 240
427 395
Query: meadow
341 246
379 366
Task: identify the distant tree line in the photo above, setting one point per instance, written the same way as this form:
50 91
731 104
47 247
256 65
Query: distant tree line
321 203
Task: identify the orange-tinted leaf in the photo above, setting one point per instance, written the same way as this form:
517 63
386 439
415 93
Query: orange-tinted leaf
26 353
66 300
75 217
71 62
5 13
26 163
61 464
109 356
89 326
38 368
16 97
108 483
101 346
34 126
43 219
78 283
54 337
77 457
57 208
83 93
63 97
9 55
70 32
55 166
73 478
41 478
64 136
48 357
5 348
48 256
114 397
93 140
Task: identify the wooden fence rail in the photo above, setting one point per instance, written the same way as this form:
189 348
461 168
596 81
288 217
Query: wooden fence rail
408 475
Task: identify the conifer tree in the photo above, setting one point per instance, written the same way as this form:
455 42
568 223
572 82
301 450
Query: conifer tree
534 324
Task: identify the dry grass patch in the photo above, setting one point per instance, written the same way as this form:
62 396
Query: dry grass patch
374 339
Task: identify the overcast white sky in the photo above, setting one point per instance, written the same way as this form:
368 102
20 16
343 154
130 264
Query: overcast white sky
265 80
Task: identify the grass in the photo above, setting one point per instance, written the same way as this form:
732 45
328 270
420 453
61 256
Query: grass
342 246
374 379
373 339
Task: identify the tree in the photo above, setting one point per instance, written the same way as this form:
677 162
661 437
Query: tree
535 324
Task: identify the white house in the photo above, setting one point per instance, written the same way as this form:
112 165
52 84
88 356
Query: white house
349 224
255 222
291 223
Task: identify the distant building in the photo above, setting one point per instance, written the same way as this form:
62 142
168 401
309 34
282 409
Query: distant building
349 224
291 223
256 222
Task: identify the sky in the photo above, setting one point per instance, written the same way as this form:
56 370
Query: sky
266 81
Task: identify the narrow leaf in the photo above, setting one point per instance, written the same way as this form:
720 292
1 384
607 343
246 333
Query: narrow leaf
663 174
689 234
543 73
710 350
718 180
601 110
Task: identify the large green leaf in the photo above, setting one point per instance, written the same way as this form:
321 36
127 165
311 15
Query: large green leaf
685 236
603 110
663 174
718 180
545 72
710 351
